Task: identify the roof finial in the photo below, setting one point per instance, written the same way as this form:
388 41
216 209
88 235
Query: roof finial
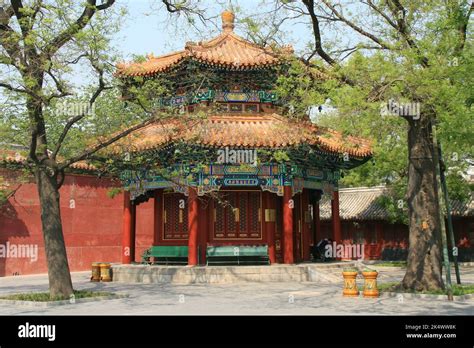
228 20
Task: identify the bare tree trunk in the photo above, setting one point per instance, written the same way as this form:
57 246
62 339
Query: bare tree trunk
424 267
60 283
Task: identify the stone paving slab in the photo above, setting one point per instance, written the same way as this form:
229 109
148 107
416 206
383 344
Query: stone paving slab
228 274
277 298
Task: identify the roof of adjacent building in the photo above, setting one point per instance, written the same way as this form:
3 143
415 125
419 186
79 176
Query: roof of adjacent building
361 203
228 50
260 130
11 156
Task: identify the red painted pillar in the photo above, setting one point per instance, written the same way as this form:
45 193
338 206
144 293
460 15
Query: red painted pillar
128 234
270 226
336 220
193 212
157 216
317 236
288 206
306 224
203 230
379 241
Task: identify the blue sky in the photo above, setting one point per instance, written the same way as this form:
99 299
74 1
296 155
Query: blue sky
148 28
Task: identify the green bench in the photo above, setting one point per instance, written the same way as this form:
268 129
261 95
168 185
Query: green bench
237 254
165 254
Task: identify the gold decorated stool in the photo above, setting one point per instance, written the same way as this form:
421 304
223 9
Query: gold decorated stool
370 283
95 272
105 272
350 285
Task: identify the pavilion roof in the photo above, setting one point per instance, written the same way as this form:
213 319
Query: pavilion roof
362 204
228 50
266 130
8 156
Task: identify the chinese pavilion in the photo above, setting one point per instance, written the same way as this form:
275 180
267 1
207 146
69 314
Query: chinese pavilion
205 189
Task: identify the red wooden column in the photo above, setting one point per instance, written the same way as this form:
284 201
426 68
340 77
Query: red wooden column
379 236
157 216
306 224
269 201
193 224
288 206
128 232
336 220
316 217
204 211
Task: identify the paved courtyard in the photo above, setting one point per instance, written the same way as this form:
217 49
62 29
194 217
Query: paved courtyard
289 298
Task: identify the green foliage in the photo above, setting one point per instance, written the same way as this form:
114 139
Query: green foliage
358 116
299 89
113 192
3 191
443 88
281 156
46 297
350 269
458 290
391 264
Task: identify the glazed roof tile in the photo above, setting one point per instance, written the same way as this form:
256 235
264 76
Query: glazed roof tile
254 130
361 204
227 50
15 157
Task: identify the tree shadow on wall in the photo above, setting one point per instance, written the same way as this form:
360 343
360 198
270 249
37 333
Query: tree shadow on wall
10 226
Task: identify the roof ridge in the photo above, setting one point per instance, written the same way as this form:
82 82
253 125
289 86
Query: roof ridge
167 55
211 50
222 36
380 188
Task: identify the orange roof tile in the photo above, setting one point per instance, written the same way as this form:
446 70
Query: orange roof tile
226 50
251 131
14 157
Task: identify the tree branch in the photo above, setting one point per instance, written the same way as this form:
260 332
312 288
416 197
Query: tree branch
7 39
317 33
377 93
104 144
380 12
17 6
15 89
79 117
462 27
59 87
89 10
399 12
356 27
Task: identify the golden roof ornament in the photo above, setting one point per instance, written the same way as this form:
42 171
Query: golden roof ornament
228 18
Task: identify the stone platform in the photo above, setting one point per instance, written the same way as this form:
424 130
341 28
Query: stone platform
306 272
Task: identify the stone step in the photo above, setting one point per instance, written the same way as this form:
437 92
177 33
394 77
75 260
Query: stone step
328 273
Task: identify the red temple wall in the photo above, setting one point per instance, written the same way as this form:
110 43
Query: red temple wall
383 240
92 224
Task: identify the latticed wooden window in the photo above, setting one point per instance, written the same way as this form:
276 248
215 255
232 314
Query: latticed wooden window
254 208
219 220
238 216
243 208
175 216
232 217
